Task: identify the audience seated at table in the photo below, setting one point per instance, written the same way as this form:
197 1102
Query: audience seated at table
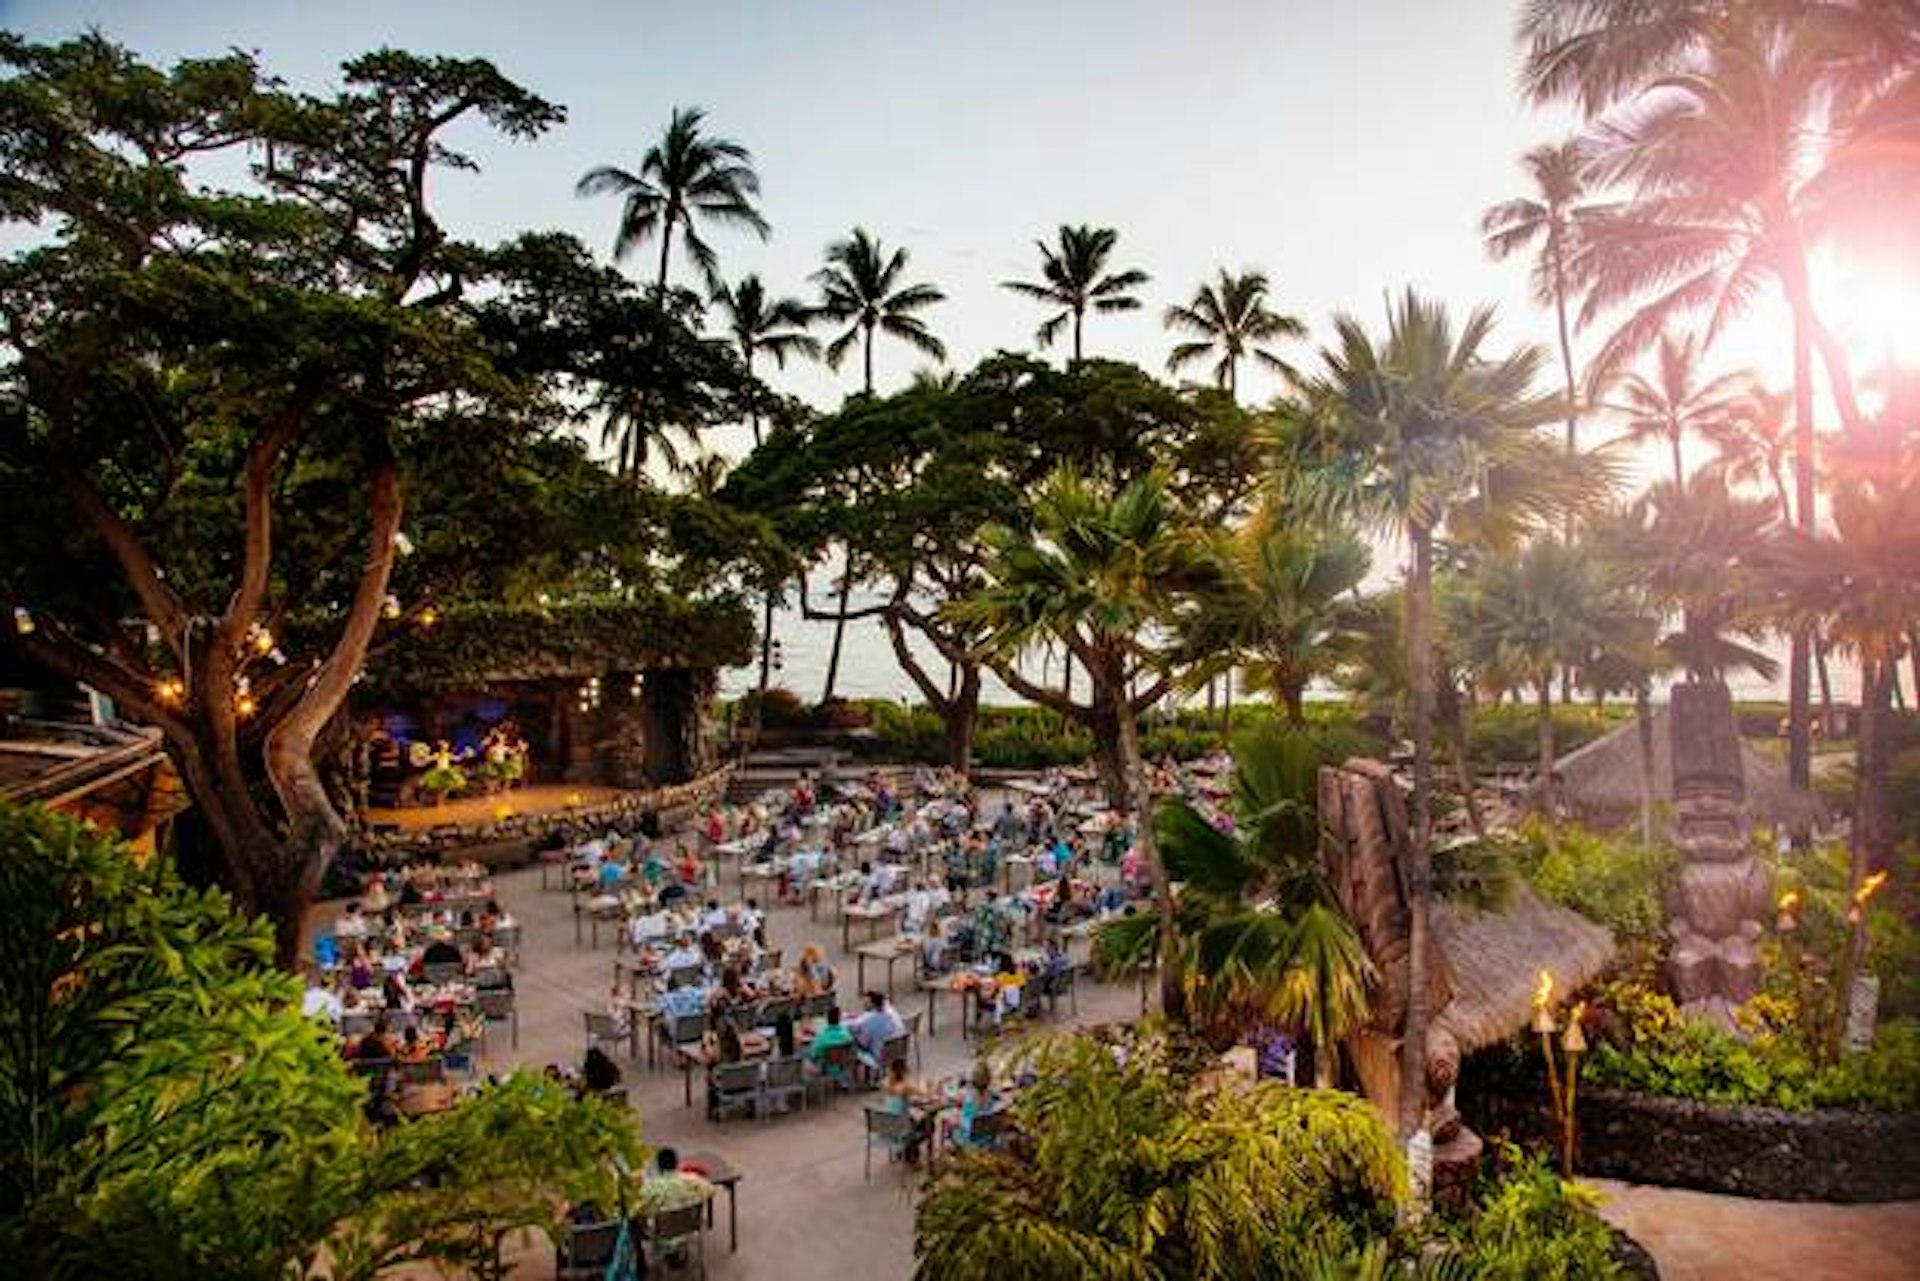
833 1035
874 1027
976 1100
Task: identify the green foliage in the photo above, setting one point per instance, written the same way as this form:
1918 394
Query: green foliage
1608 879
471 644
1133 1170
166 1111
1535 1226
1510 734
1688 1059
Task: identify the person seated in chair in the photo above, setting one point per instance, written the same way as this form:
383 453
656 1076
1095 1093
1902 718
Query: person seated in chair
878 1024
828 1038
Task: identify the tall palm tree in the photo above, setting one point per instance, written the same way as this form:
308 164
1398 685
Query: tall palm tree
684 179
1720 128
861 287
1550 219
1752 447
778 328
1676 400
1074 277
1230 316
759 325
1098 571
1428 422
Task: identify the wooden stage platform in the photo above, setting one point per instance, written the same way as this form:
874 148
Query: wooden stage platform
472 811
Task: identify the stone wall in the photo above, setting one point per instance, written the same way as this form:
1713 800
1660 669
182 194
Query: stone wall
1828 1154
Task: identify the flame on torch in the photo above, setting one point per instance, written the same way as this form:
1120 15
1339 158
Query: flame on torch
1869 887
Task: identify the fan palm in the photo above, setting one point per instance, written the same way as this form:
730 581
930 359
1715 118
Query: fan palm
1430 428
1550 219
1074 277
1230 316
1098 572
861 287
1263 938
759 325
1677 400
1289 611
684 179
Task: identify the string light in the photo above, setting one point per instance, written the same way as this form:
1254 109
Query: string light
23 620
170 690
429 616
401 543
390 607
244 705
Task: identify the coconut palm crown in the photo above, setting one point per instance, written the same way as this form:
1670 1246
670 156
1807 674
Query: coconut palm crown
1229 316
1074 278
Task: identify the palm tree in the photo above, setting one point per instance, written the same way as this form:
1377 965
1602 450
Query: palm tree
638 433
685 178
1074 277
861 288
1550 218
705 474
1230 316
1098 572
1425 423
1526 614
1720 138
777 327
759 325
1675 401
1753 445
1289 612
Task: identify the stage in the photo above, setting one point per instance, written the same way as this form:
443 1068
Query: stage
537 801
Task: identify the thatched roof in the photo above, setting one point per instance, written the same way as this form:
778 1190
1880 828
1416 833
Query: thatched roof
1600 782
1493 959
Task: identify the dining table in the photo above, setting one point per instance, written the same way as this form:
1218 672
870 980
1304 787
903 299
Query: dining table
888 950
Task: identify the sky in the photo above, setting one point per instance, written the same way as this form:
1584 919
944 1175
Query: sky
1347 149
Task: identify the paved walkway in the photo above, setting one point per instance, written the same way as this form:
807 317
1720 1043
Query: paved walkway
807 1214
1697 1236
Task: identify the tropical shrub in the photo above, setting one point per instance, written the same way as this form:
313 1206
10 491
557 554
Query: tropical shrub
167 1111
1609 879
1536 1226
1510 734
1132 1168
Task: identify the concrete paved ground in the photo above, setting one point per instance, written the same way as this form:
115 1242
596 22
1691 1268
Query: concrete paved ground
806 1214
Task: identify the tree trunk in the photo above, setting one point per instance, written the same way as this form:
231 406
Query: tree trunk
1325 1066
962 714
1549 786
1452 710
1872 813
1679 472
1076 335
1293 697
1419 853
1820 650
867 357
666 245
1172 985
766 642
1799 691
839 632
1226 708
1649 785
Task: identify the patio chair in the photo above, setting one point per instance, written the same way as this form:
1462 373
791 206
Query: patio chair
683 1029
770 1012
507 939
356 1024
785 1080
676 1240
913 1032
586 1252
427 1072
498 1005
991 1129
440 973
892 1130
733 1086
895 1049
1066 984
816 1007
604 1030
838 1066
684 976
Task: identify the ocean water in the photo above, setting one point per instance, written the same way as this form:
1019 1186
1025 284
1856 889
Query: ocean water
868 668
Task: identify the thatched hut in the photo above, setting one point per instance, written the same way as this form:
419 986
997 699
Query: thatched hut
1600 782
1494 957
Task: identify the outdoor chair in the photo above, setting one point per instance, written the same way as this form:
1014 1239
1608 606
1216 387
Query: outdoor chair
991 1129
770 1012
683 1029
816 1007
838 1066
734 1086
1065 984
498 1005
770 960
617 1097
604 1030
428 1072
356 1024
913 1033
684 976
507 939
440 973
587 1251
675 1240
895 1049
785 1081
892 1130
